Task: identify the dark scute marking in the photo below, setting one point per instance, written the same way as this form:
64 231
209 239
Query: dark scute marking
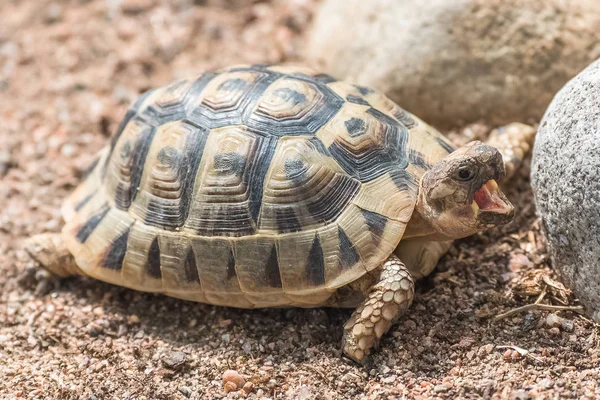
153 267
416 158
382 117
192 158
287 221
231 265
257 180
357 100
83 202
290 95
260 66
338 193
316 142
200 83
306 124
143 96
348 254
190 268
226 220
116 254
229 164
86 230
402 179
364 90
207 117
315 272
232 84
376 223
404 117
139 158
170 157
272 273
355 126
377 159
324 78
90 168
113 141
294 168
445 145
125 150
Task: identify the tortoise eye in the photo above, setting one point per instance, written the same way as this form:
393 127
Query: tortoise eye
465 173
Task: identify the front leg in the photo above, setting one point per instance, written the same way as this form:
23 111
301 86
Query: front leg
384 302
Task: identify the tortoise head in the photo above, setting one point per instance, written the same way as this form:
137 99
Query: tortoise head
459 195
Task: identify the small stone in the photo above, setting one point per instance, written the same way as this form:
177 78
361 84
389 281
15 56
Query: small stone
230 387
94 329
546 383
488 348
553 320
520 395
410 325
174 360
234 377
554 331
54 13
248 387
225 323
518 262
186 391
440 388
136 6
133 319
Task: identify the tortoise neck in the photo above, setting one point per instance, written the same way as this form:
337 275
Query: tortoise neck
419 225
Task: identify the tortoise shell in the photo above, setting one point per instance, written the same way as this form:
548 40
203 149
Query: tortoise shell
251 186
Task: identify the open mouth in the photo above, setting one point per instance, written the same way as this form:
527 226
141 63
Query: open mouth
489 198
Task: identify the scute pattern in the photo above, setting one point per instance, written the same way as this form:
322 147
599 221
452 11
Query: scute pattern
368 147
251 186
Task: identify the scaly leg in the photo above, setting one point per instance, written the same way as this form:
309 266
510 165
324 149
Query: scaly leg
49 250
384 302
514 142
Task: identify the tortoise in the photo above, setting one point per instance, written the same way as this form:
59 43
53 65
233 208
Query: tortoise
274 186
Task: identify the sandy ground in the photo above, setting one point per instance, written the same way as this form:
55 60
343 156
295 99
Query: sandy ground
68 69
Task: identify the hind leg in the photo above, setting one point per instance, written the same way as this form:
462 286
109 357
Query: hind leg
513 141
49 250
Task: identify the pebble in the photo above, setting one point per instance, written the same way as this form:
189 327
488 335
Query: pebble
94 329
230 387
546 383
304 393
248 387
554 331
234 377
186 391
54 13
410 325
136 6
553 320
440 388
174 360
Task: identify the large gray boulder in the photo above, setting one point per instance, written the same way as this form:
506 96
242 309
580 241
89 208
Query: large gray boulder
456 61
566 182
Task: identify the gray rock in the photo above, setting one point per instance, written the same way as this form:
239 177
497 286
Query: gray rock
566 182
461 60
